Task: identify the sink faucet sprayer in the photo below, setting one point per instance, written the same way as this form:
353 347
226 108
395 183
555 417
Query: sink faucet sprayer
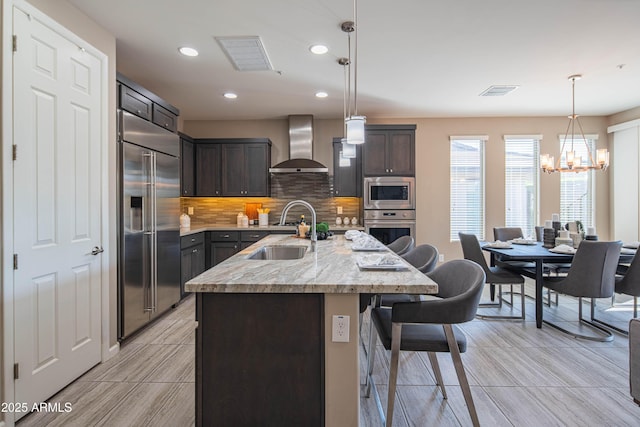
283 216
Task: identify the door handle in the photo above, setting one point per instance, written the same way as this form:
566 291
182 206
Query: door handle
96 250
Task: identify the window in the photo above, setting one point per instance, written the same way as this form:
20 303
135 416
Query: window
577 190
467 186
521 165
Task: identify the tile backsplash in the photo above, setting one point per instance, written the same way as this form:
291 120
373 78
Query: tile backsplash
317 189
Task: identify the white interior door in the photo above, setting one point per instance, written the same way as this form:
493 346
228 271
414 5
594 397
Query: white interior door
57 210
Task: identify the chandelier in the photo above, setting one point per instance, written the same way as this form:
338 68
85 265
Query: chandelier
354 122
574 163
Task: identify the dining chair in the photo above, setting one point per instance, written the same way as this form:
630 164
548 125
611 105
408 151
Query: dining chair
628 284
591 275
402 245
495 276
429 326
507 233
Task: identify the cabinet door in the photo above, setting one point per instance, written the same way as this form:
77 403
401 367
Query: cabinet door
374 154
257 162
197 260
185 266
207 170
400 153
187 164
233 169
165 118
135 103
223 250
347 180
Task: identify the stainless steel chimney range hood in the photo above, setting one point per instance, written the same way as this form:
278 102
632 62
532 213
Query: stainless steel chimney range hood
300 148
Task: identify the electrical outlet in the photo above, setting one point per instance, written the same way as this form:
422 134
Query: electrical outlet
339 210
340 329
190 210
441 257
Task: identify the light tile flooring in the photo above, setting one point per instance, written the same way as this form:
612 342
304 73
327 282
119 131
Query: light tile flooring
519 376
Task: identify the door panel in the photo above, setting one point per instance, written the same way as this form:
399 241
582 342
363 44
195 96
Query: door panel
168 231
57 128
135 261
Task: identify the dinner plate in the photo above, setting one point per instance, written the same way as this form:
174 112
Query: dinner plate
502 245
368 248
627 251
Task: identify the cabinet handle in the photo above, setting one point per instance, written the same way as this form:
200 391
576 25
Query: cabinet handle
194 251
193 239
391 170
255 236
226 236
139 112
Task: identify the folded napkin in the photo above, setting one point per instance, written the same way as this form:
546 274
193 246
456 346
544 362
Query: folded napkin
631 245
524 241
563 249
499 244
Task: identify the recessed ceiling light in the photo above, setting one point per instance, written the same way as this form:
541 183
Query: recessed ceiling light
188 51
230 95
319 49
321 94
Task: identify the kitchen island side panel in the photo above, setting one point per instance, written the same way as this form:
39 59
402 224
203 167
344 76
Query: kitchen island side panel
260 359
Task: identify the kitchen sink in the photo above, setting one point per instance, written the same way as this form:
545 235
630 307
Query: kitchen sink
279 252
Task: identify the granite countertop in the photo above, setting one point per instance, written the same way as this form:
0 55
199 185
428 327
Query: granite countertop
198 228
331 268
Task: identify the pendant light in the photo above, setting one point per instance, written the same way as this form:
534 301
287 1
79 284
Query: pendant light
573 163
354 122
348 150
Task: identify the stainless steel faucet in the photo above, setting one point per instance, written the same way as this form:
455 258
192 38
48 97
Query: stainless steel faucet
283 217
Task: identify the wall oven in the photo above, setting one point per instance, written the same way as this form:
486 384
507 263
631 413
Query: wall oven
387 225
389 192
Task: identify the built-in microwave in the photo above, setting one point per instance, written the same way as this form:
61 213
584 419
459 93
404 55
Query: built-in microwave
389 192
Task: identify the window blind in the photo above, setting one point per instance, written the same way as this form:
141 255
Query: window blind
466 187
577 190
521 183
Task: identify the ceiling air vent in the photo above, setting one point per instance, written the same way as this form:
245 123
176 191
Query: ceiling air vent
498 90
245 53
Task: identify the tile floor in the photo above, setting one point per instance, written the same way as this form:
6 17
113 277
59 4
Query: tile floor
519 376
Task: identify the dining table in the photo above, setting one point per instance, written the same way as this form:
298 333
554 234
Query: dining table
537 254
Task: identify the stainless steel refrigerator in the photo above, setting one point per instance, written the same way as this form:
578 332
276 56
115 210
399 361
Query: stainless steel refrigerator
149 222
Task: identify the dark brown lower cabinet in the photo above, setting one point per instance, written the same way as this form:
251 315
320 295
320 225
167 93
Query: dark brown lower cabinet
259 359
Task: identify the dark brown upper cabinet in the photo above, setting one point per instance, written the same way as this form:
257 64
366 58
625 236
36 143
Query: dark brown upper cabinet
389 150
242 167
187 166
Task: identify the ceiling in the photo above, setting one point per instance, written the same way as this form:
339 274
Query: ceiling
416 58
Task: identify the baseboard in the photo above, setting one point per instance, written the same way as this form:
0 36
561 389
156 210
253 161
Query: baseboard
112 351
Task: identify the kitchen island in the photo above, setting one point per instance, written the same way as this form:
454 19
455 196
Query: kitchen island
264 349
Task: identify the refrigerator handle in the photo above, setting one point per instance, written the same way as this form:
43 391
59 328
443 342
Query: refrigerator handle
149 232
154 236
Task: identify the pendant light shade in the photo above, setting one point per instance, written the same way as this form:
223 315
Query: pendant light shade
355 129
348 150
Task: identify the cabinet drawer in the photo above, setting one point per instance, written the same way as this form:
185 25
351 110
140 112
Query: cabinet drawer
191 240
224 236
252 236
135 103
165 118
